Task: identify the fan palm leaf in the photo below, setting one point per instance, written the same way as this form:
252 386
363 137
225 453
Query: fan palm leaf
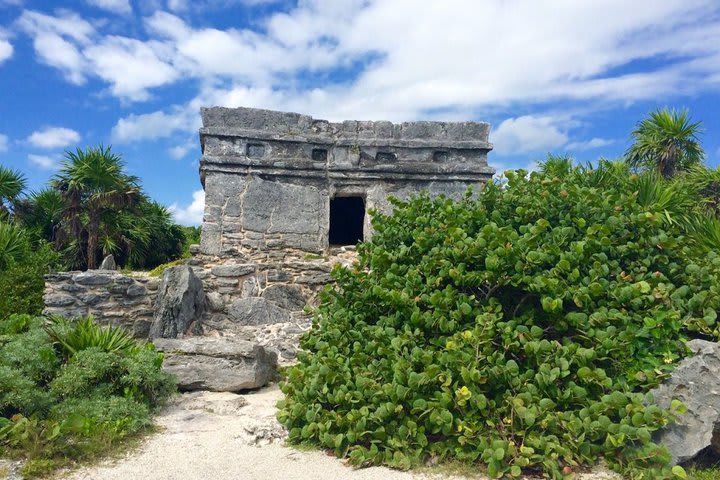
667 142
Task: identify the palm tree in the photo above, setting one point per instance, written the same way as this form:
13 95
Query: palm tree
667 142
13 244
12 183
41 215
92 182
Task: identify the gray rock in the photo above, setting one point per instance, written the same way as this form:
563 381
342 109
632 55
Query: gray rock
92 298
696 383
141 328
215 302
289 297
94 277
217 364
235 270
72 288
180 302
257 311
58 300
108 263
136 290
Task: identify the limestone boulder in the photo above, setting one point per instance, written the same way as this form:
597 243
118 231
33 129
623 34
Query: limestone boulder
222 364
696 383
180 302
108 263
257 311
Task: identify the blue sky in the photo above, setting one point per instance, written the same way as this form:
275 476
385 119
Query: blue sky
561 76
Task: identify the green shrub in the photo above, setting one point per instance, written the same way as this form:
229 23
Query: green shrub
519 329
160 269
71 391
17 323
74 336
13 243
22 282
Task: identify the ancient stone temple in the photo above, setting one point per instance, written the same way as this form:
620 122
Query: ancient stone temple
276 180
281 190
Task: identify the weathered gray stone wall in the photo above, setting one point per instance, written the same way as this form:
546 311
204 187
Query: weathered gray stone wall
109 296
269 176
261 295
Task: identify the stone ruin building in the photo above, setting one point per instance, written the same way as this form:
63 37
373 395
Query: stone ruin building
277 180
286 197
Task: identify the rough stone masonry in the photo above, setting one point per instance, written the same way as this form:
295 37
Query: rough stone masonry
283 194
271 178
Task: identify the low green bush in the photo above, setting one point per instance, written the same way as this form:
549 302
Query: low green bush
72 390
520 329
22 281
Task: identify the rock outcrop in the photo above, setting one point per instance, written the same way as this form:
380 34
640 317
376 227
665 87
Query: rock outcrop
696 383
217 364
180 302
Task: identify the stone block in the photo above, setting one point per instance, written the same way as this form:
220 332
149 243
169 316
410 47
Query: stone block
58 300
72 288
217 364
233 270
136 290
91 298
257 311
289 297
94 277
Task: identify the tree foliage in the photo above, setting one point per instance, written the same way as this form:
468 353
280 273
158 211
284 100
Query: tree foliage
92 183
520 329
666 142
12 183
93 208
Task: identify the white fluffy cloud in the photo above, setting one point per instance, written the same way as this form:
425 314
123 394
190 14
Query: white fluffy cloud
191 214
130 66
155 125
43 161
179 151
3 143
72 45
6 50
177 5
116 6
589 144
53 137
58 41
528 133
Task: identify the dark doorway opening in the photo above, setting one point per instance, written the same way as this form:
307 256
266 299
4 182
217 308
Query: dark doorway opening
347 215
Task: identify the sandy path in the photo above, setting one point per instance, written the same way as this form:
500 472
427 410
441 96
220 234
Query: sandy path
223 436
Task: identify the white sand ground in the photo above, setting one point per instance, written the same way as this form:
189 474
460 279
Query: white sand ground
223 436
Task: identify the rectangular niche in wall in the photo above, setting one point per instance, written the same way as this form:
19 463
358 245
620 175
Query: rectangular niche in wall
347 215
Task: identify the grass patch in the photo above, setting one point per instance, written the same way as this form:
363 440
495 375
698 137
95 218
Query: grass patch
712 473
158 271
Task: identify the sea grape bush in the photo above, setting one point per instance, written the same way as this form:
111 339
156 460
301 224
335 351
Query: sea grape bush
520 328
